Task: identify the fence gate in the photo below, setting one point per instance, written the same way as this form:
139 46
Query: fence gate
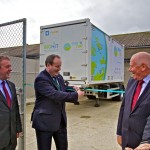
13 45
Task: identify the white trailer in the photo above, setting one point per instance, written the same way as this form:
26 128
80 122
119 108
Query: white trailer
91 59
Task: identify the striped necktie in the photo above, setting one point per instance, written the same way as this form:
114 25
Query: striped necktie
8 99
56 83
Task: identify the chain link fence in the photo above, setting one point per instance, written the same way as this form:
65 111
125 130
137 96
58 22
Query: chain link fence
13 45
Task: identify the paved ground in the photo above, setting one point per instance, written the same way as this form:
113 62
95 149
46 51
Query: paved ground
89 127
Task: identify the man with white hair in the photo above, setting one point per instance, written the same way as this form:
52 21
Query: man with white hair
134 117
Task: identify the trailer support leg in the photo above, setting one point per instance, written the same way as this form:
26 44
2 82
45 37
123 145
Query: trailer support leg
97 102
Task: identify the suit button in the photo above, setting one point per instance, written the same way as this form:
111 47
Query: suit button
129 129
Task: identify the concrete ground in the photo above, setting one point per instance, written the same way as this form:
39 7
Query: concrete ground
89 127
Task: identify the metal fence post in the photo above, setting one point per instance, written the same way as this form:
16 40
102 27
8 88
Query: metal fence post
13 45
21 141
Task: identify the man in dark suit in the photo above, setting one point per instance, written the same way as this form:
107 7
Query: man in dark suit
135 108
49 116
145 144
10 122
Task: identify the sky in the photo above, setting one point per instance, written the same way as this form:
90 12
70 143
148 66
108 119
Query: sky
111 16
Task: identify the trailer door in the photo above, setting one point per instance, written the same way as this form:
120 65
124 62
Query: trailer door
68 41
74 52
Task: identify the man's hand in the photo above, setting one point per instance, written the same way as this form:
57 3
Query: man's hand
20 134
145 146
119 140
80 93
76 88
127 148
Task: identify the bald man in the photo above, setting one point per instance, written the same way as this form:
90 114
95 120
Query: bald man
133 123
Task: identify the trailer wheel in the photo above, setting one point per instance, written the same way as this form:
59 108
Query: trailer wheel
91 97
117 98
96 105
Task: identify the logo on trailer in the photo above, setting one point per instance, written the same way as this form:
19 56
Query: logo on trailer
117 52
49 47
77 45
67 47
46 33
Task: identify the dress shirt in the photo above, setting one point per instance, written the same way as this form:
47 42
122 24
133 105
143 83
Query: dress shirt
7 87
146 80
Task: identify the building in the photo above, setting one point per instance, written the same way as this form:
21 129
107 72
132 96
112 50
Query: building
133 43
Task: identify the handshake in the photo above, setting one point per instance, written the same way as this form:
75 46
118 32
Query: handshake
78 90
145 146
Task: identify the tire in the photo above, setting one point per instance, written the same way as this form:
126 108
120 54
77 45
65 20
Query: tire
91 97
117 98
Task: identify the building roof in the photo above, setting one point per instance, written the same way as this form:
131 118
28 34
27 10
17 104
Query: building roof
33 51
133 40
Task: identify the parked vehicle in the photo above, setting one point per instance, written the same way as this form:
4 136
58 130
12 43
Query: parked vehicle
91 58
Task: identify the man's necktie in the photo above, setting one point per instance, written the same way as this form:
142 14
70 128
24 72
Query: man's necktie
6 94
56 83
136 94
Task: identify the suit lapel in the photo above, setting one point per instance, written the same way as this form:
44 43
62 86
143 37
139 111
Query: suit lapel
143 95
51 79
60 82
2 97
131 94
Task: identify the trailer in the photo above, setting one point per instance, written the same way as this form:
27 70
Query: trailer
91 58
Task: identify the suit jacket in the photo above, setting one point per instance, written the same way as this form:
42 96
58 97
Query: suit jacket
10 122
133 124
50 102
146 133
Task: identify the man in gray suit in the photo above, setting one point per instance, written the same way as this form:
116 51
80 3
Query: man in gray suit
135 109
10 122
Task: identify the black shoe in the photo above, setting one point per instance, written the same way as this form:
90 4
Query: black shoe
76 103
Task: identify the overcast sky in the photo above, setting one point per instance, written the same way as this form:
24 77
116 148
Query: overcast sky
112 16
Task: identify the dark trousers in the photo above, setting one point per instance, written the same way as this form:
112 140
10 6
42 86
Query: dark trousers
44 139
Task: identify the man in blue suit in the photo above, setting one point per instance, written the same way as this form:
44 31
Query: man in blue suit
49 116
133 122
